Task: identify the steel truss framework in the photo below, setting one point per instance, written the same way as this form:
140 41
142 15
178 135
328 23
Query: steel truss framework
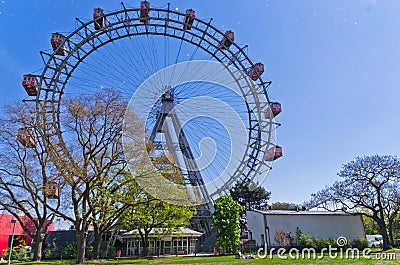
125 23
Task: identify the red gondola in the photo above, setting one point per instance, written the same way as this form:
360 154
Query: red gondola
56 41
26 137
275 108
256 71
189 19
30 83
227 40
98 18
144 11
273 153
52 190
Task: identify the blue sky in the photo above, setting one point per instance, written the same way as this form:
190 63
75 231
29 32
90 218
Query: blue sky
334 67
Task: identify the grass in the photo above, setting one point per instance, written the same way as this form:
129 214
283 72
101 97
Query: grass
223 260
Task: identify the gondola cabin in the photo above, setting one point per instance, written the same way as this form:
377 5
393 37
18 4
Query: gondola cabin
52 190
227 40
26 137
256 71
189 19
98 18
273 153
144 11
30 83
56 42
274 109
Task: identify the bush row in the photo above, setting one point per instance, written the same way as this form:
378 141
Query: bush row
318 244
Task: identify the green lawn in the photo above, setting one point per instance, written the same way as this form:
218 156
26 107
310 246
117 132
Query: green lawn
225 260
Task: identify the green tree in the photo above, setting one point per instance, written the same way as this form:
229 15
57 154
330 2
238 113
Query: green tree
151 213
115 192
280 206
250 196
226 222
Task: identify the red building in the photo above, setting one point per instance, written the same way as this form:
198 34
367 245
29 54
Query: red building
20 237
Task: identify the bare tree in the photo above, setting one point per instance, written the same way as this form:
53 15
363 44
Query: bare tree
100 187
93 129
25 173
391 200
369 186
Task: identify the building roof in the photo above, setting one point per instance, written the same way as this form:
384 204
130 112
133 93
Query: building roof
288 212
177 232
6 226
63 237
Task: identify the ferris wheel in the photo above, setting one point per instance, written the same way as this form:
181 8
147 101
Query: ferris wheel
185 62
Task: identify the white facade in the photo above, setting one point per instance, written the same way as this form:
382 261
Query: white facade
319 224
180 241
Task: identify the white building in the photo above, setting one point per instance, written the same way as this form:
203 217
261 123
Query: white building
319 224
178 242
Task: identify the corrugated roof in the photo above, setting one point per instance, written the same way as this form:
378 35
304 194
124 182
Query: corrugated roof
288 212
181 231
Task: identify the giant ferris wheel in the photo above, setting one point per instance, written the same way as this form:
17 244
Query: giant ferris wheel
126 48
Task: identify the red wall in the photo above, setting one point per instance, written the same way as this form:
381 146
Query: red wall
3 242
6 229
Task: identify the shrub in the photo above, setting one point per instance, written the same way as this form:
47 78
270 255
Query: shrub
89 252
14 253
52 251
297 236
111 252
360 243
23 253
333 242
281 238
18 253
70 251
306 241
322 243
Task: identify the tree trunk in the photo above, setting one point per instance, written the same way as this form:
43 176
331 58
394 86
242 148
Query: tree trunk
380 219
390 228
81 246
96 245
37 256
384 233
145 244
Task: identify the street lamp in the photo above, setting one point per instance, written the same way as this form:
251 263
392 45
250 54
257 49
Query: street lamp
13 221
